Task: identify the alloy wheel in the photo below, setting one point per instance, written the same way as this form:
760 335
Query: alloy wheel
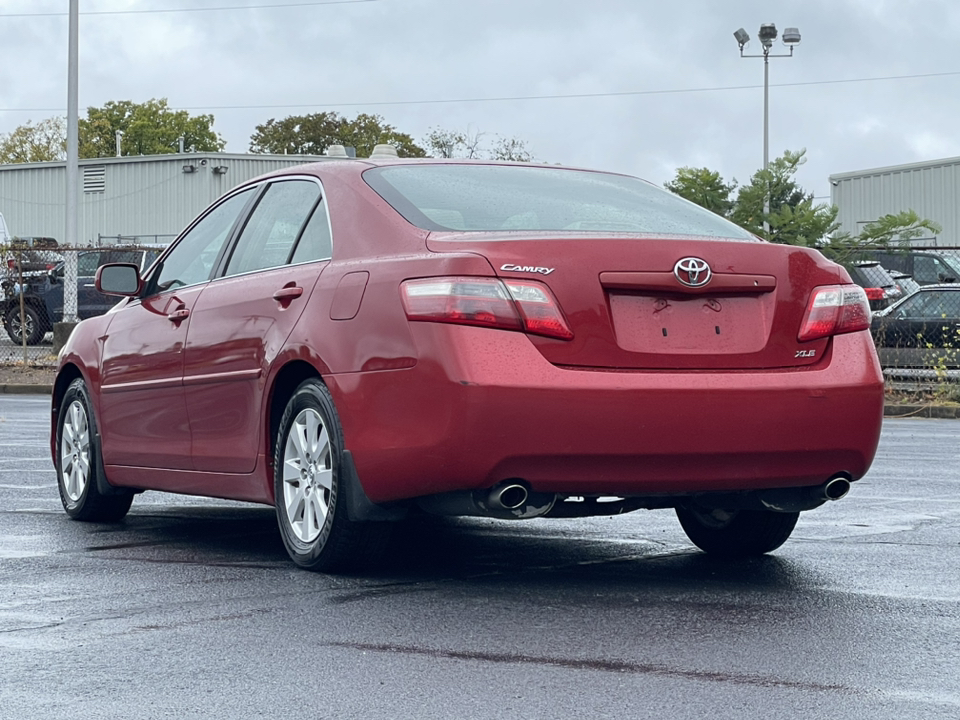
75 451
307 475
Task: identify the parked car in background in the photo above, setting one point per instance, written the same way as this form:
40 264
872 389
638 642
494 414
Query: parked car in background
43 294
922 330
357 341
876 281
925 266
30 255
903 281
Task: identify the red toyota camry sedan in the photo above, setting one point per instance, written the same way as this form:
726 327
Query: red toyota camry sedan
358 341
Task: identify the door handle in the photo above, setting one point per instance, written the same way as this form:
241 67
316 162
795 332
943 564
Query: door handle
288 293
179 315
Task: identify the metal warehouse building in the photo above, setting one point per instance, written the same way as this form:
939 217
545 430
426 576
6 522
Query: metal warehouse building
140 198
930 188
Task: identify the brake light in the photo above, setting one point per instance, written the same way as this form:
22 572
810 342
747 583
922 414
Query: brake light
834 310
525 306
875 293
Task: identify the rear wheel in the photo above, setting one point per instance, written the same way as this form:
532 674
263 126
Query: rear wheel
309 487
33 325
736 533
79 464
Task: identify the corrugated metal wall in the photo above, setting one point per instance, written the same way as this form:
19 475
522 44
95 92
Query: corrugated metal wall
932 189
140 196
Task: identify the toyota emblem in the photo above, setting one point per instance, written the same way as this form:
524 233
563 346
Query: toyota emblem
692 272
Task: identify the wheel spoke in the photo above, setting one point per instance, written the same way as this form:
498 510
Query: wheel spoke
325 479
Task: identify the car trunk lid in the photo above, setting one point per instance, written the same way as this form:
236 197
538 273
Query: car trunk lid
642 302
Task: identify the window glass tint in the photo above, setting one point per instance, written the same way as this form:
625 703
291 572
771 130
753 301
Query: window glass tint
87 264
268 239
499 197
874 276
315 242
191 260
126 256
936 305
925 269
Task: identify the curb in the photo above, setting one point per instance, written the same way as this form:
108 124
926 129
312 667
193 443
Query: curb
942 412
26 389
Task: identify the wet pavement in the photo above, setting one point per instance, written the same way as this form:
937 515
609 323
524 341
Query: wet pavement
190 608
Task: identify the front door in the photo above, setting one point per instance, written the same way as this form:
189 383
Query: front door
143 406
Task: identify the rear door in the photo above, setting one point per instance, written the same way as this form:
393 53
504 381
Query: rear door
242 320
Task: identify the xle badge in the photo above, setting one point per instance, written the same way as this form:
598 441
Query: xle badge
805 353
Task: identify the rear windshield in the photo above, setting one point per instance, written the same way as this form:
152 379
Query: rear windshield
874 276
484 198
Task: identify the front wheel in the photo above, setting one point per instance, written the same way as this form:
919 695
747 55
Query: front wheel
736 533
309 487
79 463
32 326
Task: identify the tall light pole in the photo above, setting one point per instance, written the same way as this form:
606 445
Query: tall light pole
73 174
767 36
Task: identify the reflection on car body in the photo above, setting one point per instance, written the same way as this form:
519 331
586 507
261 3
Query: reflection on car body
357 341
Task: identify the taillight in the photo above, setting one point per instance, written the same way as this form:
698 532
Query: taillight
525 306
11 265
834 310
873 293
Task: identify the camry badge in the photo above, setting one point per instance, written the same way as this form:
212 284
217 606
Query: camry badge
526 268
692 272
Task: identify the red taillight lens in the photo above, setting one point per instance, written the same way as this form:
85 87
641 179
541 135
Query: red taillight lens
875 293
488 302
834 310
11 265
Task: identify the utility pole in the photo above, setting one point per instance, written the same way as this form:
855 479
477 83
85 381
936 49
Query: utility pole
62 330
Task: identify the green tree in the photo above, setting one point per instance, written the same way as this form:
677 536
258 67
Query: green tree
891 231
442 143
44 142
794 218
313 134
511 149
149 128
705 187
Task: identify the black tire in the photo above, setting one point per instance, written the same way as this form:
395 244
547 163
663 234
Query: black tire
736 533
33 322
79 463
310 481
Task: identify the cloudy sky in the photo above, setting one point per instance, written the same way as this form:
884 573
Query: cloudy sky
636 86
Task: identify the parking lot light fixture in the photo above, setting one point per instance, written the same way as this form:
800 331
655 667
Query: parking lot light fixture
767 36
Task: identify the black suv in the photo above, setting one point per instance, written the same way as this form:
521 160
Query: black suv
43 297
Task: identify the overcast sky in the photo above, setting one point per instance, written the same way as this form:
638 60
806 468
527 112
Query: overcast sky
666 83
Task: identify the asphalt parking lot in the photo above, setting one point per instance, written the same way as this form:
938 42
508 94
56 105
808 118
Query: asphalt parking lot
190 608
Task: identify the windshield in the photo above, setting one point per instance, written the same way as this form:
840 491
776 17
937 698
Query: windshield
484 198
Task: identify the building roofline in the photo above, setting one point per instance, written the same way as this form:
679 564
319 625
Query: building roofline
895 168
165 157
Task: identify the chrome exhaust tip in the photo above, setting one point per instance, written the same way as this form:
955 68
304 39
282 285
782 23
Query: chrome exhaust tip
508 497
836 488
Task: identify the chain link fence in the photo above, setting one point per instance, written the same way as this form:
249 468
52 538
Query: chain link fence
31 289
918 340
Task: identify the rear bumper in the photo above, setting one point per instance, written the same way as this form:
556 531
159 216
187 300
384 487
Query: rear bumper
482 406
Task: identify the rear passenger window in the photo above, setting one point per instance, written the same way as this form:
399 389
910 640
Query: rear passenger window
315 242
272 231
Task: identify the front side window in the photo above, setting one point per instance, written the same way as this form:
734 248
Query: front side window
269 237
87 263
483 198
192 259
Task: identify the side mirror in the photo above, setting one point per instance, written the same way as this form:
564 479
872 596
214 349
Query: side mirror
121 279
